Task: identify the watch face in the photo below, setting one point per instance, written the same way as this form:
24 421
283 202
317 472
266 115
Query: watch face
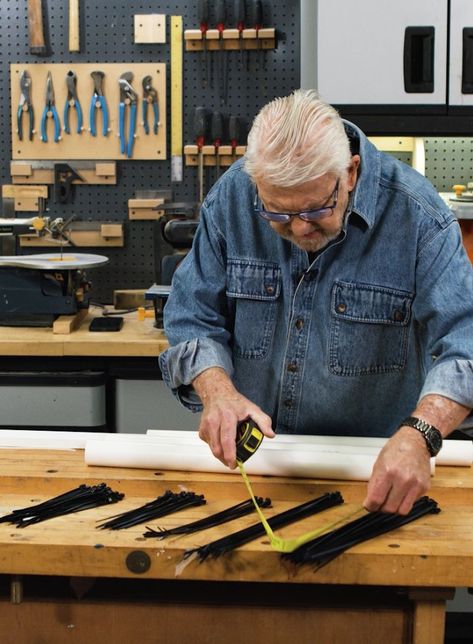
435 440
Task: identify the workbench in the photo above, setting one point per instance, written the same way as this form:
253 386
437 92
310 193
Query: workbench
64 580
130 353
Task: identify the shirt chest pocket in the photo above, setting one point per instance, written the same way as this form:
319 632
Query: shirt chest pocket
253 288
369 329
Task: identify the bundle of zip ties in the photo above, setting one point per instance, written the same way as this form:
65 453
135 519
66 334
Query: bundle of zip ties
165 504
232 541
81 498
328 546
234 512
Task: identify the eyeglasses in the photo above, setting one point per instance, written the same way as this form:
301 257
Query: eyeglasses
307 215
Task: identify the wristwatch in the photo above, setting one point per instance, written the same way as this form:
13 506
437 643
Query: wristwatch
432 436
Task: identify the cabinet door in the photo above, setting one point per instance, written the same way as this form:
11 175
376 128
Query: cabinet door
382 52
461 53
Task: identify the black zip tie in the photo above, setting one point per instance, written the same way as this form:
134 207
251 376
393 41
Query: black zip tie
168 503
234 512
327 547
232 541
76 500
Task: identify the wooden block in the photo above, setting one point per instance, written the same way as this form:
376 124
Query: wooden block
65 324
192 34
111 230
106 169
129 298
150 28
21 169
8 192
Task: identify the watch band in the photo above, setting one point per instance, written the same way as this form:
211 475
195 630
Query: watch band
432 436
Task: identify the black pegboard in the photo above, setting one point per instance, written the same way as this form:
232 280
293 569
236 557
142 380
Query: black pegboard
107 31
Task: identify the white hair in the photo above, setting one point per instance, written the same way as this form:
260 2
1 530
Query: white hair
296 138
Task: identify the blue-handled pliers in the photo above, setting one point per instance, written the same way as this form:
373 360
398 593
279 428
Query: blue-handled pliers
72 101
128 96
25 105
150 97
98 102
50 111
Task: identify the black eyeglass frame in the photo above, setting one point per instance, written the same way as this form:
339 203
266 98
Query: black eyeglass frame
305 215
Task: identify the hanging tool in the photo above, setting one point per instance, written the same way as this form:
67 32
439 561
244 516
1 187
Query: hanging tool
234 134
239 17
200 130
257 22
72 101
25 105
248 438
74 33
36 28
150 97
64 175
216 132
98 102
220 25
176 99
128 96
203 26
50 111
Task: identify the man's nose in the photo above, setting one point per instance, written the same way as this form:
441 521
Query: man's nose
301 227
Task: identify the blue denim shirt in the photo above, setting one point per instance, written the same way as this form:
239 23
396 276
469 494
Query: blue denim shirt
345 345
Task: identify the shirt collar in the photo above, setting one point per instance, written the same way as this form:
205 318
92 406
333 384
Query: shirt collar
364 196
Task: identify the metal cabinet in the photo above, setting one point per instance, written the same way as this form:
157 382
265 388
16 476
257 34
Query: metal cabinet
400 56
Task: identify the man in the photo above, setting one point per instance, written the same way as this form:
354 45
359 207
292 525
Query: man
327 292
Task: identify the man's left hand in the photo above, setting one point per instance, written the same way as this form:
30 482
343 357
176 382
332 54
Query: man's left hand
400 475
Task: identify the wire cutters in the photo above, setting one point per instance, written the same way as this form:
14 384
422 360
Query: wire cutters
128 96
25 105
98 102
72 101
150 97
50 111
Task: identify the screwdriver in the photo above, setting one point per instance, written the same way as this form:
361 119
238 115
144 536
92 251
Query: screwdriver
204 25
200 132
239 16
220 25
257 22
234 134
216 132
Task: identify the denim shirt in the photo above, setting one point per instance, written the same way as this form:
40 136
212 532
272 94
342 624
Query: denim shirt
347 344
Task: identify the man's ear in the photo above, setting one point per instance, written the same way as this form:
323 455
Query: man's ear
353 172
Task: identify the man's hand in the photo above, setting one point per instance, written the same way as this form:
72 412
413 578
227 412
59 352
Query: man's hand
224 408
400 475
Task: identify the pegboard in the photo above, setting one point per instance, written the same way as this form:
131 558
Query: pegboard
107 34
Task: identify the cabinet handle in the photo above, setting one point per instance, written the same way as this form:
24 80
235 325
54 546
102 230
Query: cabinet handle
467 62
419 59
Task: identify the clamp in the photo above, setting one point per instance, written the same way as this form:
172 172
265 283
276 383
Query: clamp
150 97
50 111
72 101
25 105
98 102
128 96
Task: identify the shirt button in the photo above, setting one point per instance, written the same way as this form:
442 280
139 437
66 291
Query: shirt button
299 324
269 290
292 367
398 316
341 308
288 403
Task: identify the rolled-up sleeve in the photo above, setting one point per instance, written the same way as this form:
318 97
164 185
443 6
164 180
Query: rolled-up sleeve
195 314
444 308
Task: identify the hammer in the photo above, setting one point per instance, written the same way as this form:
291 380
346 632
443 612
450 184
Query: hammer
36 31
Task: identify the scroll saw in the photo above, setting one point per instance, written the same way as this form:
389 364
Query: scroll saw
36 289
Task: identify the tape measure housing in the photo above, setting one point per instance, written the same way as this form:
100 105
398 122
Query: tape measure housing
249 438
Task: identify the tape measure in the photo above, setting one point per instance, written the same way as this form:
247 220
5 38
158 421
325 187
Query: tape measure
248 439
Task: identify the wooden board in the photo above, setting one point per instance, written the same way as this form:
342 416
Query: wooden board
425 553
84 145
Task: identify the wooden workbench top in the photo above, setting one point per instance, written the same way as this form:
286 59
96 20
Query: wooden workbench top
136 338
435 551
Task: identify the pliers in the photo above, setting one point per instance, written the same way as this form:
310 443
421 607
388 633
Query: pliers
98 102
128 96
50 111
150 97
25 105
72 101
